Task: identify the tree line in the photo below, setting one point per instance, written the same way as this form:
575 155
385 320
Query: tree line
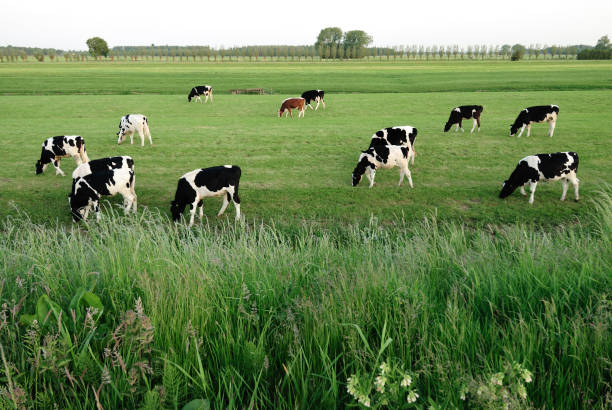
331 44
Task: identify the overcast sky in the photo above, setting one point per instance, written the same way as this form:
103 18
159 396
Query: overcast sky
67 24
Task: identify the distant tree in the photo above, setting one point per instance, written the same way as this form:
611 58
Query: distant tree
51 55
356 39
329 37
603 43
505 50
601 51
518 52
97 47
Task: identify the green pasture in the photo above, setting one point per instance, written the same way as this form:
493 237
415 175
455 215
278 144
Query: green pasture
321 282
291 78
300 169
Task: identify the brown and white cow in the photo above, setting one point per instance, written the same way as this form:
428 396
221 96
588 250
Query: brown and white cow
292 103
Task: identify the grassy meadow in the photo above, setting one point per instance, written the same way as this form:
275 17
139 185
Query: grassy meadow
480 302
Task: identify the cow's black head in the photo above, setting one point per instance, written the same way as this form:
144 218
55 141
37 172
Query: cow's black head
447 126
514 128
78 202
507 189
176 209
120 135
39 167
360 170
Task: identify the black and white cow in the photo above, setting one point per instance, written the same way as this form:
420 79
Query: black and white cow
401 135
543 167
314 95
101 165
198 184
464 111
382 156
200 90
538 113
88 189
55 148
132 123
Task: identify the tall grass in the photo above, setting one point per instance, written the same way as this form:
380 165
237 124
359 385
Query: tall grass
281 316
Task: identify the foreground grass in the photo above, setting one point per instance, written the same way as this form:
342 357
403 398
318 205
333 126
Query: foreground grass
281 316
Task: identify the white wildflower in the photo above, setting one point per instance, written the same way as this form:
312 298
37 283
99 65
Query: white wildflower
384 368
351 385
497 379
412 397
526 375
406 381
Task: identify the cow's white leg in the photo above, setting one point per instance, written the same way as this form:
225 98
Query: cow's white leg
523 190
474 126
323 102
401 170
371 176
211 97
87 209
192 211
565 184
225 202
457 127
237 206
132 138
551 128
129 200
532 188
142 136
521 133
407 172
206 100
310 106
318 102
201 206
529 129
575 182
56 164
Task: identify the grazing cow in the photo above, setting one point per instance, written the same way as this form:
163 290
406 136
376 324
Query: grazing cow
464 111
382 156
102 165
198 184
314 95
132 123
543 167
55 148
401 136
88 189
199 90
538 113
295 103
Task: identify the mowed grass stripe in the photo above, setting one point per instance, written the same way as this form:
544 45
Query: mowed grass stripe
293 78
301 169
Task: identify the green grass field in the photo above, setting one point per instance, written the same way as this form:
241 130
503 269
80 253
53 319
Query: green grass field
322 280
